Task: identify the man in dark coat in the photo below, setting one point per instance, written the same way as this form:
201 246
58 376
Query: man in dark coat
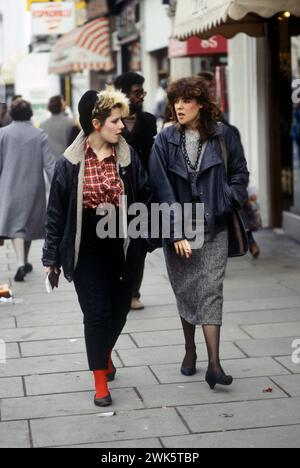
140 132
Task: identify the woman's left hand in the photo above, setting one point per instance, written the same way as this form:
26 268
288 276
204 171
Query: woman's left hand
183 249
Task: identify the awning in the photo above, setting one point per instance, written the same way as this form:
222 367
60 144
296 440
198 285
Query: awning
228 17
84 48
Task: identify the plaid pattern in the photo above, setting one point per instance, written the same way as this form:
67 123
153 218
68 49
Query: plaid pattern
102 183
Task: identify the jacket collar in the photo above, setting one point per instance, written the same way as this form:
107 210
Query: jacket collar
174 135
211 155
75 152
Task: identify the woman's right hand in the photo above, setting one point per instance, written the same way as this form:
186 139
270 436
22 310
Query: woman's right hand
50 269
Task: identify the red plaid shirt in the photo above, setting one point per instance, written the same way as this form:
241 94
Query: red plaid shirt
102 183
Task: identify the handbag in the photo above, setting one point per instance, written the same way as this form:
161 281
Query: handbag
238 245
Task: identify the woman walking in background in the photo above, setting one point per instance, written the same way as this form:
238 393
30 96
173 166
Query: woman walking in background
188 165
98 169
24 156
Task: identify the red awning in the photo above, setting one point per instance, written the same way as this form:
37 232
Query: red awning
84 48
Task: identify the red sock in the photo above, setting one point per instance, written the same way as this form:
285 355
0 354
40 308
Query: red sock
101 384
110 368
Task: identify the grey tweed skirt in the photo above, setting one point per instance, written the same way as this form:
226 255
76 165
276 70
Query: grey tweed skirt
198 282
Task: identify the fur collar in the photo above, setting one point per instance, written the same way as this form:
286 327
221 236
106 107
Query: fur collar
75 152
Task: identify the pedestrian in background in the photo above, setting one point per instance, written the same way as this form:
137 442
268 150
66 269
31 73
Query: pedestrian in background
5 118
140 131
99 168
59 127
188 165
24 156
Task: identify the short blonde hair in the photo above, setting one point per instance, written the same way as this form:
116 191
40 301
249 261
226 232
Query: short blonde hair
108 100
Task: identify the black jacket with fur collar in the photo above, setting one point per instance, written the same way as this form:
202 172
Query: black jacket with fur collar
65 207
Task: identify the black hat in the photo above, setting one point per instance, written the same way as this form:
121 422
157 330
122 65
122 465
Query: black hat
85 107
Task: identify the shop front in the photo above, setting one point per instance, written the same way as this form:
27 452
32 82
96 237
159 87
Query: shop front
128 37
276 23
207 55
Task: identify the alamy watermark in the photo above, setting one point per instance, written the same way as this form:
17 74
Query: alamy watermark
159 221
2 352
296 93
296 353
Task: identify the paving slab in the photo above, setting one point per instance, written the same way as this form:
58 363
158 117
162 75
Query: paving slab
157 324
279 437
266 347
287 362
172 354
6 322
277 330
244 415
262 317
239 368
14 435
265 303
83 381
154 312
290 384
11 387
274 291
132 425
44 365
175 337
136 444
66 346
66 404
42 333
43 320
12 351
199 393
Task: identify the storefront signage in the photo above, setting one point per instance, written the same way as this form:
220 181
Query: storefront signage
127 22
52 18
198 47
97 8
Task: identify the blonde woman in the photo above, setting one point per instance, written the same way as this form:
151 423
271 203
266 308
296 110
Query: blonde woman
98 168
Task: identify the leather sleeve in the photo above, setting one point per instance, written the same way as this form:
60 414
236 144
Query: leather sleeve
56 216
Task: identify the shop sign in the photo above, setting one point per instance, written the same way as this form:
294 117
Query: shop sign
127 22
198 47
97 8
52 18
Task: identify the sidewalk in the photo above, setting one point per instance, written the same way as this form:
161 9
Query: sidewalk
47 393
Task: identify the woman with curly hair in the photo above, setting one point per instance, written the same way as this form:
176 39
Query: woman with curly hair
96 173
199 161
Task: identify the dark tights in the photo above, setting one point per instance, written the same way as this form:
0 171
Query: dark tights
212 338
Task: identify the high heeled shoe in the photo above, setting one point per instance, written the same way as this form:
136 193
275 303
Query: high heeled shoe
219 378
189 371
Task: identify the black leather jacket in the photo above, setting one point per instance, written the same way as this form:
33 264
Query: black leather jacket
61 224
170 179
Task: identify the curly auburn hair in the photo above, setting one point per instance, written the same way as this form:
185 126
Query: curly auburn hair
195 88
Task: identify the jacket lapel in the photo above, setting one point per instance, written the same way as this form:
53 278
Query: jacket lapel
210 159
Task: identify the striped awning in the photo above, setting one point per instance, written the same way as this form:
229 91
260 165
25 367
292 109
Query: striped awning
206 18
84 48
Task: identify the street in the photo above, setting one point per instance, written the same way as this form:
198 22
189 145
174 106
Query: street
47 392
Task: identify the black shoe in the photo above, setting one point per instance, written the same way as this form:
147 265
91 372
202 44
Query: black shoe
189 371
102 402
112 375
20 275
219 378
28 268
